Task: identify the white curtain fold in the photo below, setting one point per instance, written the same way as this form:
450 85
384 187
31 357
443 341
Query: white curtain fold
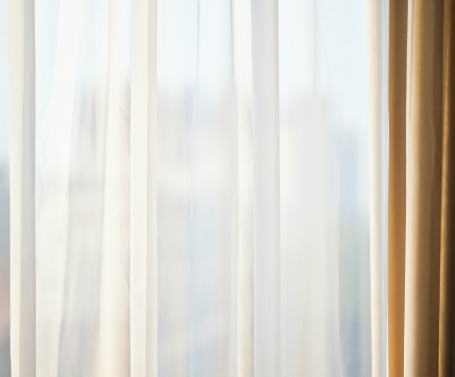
266 219
114 311
202 189
5 362
378 62
21 63
143 211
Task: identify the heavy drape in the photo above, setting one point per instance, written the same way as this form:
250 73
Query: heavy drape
397 185
421 207
446 360
191 196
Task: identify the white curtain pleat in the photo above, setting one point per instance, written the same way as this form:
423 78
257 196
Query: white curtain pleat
21 62
114 317
143 214
201 190
266 218
52 180
5 324
241 28
175 67
75 114
378 12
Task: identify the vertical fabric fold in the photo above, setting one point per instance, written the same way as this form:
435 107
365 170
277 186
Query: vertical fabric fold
397 185
377 108
447 277
267 283
114 324
423 188
21 62
70 156
241 24
152 226
143 236
424 308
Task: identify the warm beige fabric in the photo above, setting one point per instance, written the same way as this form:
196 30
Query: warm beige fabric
397 184
447 279
423 189
425 232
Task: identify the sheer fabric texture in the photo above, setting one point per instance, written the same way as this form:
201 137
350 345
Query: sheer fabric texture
5 364
192 192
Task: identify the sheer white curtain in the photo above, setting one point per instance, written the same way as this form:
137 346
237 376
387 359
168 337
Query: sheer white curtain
5 364
192 195
378 63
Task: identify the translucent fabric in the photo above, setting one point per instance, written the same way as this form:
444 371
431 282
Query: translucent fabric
378 63
325 203
201 189
5 364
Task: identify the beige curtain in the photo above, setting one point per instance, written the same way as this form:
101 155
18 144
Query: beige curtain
421 189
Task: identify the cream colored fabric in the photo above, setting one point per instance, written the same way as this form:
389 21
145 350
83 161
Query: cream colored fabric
143 195
21 63
267 266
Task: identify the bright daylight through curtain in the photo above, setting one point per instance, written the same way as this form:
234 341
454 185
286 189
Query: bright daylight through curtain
201 189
